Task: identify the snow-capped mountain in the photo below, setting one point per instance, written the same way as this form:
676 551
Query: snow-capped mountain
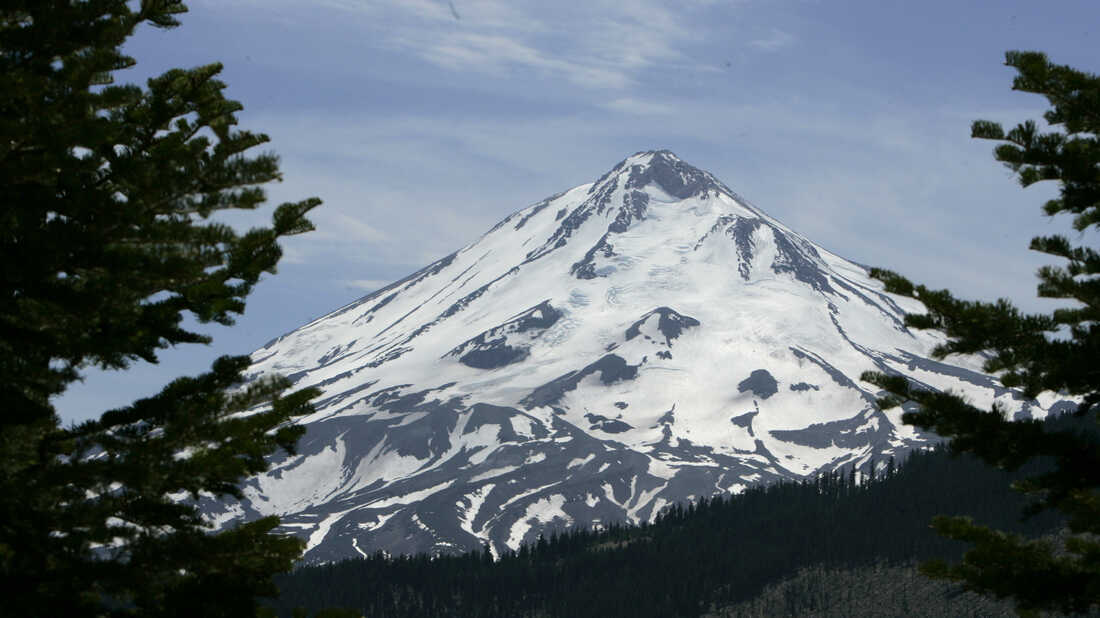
647 338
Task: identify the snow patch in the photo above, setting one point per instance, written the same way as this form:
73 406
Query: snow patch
543 511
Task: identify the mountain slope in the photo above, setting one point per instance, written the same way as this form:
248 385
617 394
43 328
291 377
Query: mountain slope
641 340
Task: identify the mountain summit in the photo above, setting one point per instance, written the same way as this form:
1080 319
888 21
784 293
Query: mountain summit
672 175
644 339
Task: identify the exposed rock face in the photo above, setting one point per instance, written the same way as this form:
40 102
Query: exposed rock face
644 339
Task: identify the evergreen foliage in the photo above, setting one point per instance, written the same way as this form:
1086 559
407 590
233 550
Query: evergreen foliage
108 236
695 558
875 590
1057 352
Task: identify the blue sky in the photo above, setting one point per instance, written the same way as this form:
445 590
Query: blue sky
421 123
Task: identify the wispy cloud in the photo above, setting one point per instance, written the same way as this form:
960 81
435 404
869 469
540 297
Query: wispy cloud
333 224
497 53
601 44
639 107
773 41
368 285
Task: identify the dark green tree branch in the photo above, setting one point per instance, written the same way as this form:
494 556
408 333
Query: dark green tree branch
109 198
1057 352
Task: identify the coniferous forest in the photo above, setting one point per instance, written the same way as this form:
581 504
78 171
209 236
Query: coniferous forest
718 556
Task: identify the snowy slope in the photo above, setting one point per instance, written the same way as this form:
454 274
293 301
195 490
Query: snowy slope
647 338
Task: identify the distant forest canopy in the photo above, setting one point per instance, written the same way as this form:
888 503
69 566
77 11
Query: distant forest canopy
697 559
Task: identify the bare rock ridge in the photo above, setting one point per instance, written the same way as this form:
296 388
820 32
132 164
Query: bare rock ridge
647 338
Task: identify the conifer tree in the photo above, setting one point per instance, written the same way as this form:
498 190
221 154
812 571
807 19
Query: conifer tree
109 196
1057 352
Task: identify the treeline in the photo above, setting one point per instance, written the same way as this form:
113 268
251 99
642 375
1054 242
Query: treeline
694 559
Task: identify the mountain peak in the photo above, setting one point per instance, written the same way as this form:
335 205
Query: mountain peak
668 171
594 357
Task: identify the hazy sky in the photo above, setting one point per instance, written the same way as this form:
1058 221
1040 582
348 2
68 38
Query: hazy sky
421 123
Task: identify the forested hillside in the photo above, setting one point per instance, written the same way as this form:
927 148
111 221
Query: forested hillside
695 559
872 590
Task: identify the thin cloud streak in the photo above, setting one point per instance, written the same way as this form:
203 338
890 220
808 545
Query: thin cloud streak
638 107
367 285
774 41
600 45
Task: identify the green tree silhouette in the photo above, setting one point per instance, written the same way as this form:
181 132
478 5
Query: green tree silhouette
108 236
1057 352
